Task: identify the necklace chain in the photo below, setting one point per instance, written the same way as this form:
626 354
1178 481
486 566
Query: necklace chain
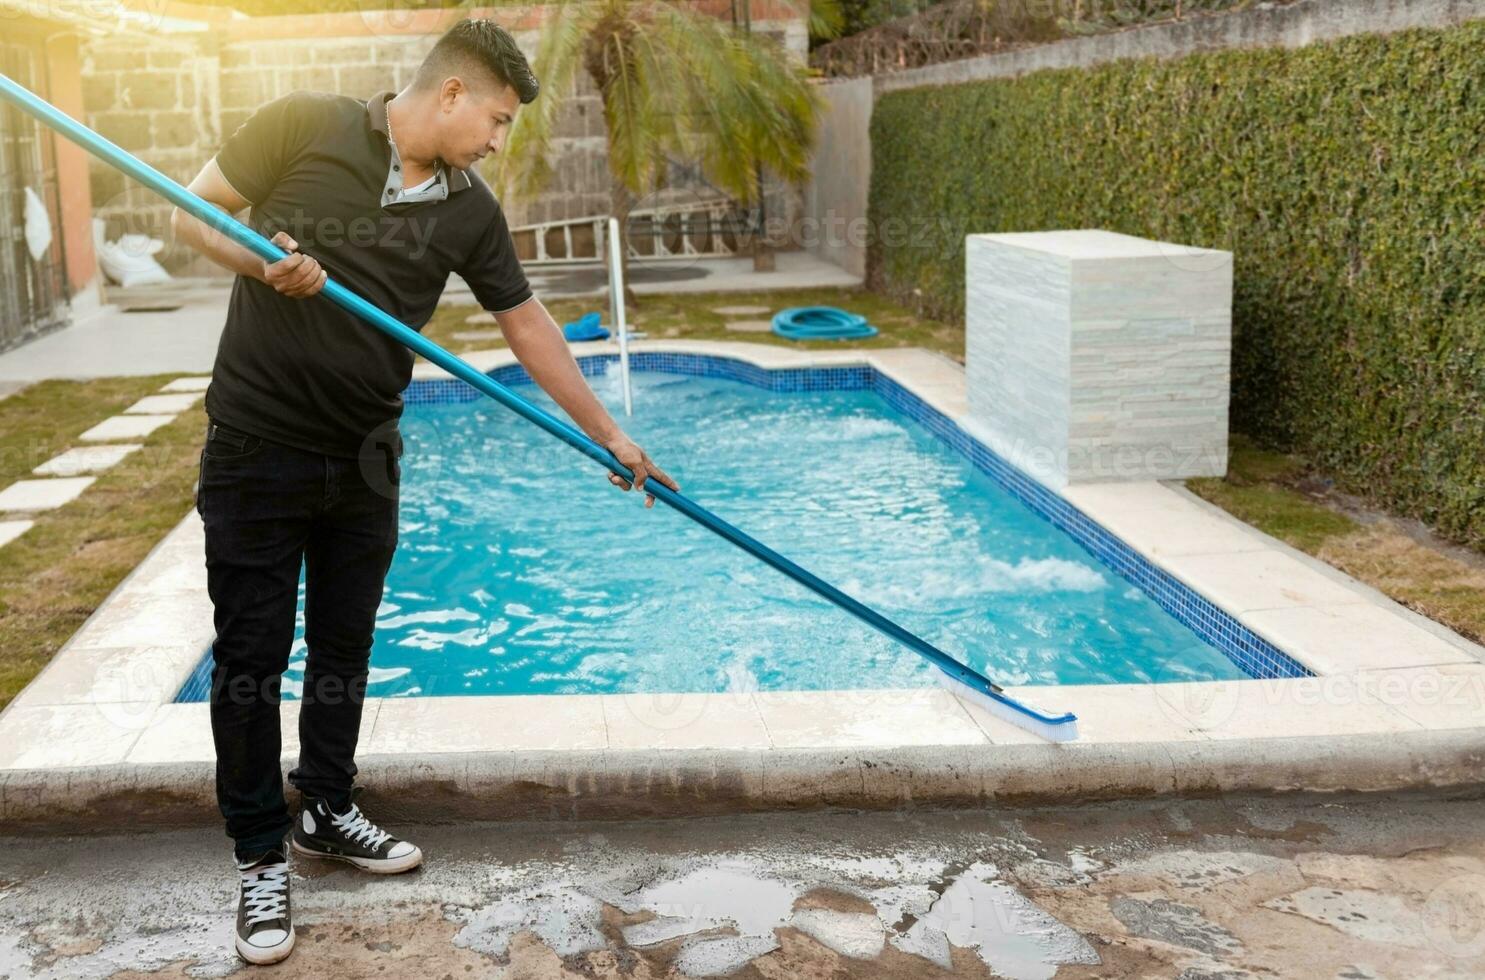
392 140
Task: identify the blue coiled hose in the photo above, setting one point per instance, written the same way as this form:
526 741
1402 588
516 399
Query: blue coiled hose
821 323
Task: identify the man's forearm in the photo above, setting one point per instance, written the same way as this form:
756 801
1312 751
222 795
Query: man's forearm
214 245
538 344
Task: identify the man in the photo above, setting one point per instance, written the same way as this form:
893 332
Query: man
300 462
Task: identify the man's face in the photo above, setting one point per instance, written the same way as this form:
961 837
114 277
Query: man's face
475 120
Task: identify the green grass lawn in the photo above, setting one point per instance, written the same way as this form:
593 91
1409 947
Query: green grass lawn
1279 495
693 316
57 573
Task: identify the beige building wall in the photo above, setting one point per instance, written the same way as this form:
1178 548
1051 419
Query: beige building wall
836 195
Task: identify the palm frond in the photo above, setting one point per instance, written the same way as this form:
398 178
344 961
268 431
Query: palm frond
745 101
674 83
625 110
827 19
523 168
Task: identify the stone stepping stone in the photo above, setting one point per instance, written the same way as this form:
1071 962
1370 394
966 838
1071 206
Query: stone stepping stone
750 326
187 384
10 530
741 310
125 427
479 335
480 318
163 404
43 494
85 459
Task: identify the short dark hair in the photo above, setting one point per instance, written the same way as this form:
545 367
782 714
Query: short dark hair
479 44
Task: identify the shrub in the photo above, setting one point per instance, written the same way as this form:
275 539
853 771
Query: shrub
1348 180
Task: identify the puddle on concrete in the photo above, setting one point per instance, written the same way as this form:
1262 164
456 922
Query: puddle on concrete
1014 936
737 893
1083 864
724 912
733 895
854 934
563 917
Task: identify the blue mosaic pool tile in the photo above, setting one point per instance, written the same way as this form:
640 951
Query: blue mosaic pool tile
198 685
1250 652
1254 655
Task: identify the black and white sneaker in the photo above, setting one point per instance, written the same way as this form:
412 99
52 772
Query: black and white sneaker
350 837
265 927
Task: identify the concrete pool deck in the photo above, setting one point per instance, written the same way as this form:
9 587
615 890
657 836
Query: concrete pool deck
1396 701
1230 888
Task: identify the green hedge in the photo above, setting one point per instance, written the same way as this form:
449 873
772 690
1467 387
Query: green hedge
1348 180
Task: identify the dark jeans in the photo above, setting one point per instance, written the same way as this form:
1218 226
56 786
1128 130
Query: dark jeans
267 509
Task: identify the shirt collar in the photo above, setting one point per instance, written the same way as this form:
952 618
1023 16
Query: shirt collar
376 110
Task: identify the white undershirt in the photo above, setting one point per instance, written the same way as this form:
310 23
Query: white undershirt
412 191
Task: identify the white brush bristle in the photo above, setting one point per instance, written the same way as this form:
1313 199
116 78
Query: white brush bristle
1053 733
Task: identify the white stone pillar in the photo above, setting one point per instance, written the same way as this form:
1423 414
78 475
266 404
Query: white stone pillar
1093 356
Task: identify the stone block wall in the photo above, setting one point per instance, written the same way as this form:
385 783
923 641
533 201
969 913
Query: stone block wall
173 98
158 100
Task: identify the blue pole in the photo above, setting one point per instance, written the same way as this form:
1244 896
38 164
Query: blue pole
216 218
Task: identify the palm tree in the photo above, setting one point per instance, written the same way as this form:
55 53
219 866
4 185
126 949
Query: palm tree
674 83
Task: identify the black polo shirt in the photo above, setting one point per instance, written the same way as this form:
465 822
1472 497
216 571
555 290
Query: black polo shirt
304 372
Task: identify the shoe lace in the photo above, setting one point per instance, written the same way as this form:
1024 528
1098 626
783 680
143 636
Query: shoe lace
353 824
265 892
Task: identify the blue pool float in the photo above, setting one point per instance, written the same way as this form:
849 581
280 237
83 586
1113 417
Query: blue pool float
821 323
585 327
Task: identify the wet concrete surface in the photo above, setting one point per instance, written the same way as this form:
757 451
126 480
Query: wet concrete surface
1358 887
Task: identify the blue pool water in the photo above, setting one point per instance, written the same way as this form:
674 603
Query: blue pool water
520 570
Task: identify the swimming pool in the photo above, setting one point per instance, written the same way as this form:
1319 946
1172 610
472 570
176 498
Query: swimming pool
521 571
